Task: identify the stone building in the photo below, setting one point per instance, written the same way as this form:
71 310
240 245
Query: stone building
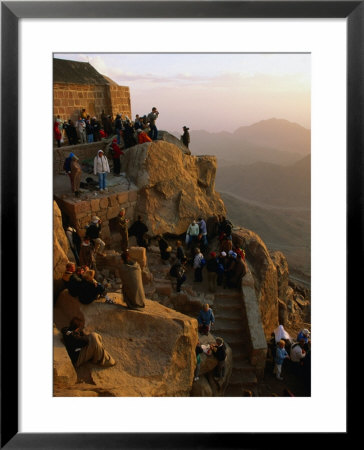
78 85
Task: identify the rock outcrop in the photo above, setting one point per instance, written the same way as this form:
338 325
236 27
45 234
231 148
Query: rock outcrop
167 137
60 250
154 348
174 187
265 276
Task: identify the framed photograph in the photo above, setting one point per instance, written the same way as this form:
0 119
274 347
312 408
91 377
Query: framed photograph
328 39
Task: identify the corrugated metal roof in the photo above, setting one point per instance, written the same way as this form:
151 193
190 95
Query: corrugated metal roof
65 71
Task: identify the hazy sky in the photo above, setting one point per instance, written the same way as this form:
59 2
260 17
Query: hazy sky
214 92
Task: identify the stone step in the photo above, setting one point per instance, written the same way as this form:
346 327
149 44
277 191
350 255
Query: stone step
228 314
238 348
227 293
236 390
235 323
228 307
231 336
243 378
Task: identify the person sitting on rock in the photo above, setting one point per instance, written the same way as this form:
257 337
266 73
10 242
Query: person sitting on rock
205 319
87 253
164 248
73 279
198 264
93 232
143 137
178 270
90 289
132 284
219 351
139 229
281 355
82 347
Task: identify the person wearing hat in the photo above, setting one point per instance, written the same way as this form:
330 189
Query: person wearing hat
75 176
101 168
219 351
212 266
87 254
93 232
142 136
152 117
185 136
123 230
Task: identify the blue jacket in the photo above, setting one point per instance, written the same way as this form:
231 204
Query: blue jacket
206 317
302 336
280 355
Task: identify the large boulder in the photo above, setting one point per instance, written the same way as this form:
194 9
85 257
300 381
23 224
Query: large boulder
265 276
64 373
174 187
168 137
61 250
154 349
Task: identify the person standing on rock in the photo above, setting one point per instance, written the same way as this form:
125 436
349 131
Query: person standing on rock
152 117
132 283
76 173
164 248
178 270
281 355
205 319
101 168
180 253
123 230
93 232
185 137
237 273
139 229
82 347
219 351
57 132
203 232
116 153
198 265
81 127
192 234
87 254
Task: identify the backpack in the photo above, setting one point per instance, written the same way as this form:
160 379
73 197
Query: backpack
203 263
67 164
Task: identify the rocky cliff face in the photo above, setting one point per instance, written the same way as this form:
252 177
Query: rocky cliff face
174 187
60 250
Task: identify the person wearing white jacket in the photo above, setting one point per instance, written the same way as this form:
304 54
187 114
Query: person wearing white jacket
101 168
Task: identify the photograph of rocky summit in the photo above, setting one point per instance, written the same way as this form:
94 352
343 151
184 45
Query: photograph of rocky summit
181 225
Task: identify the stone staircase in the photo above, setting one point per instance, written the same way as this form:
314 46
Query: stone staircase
230 324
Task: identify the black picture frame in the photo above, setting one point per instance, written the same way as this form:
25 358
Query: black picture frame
11 12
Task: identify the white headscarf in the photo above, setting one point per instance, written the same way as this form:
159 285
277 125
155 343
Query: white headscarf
281 333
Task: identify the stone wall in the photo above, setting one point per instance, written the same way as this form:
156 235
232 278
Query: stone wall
69 99
258 349
106 207
83 151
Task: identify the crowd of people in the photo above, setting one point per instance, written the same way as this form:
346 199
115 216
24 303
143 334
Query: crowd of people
89 129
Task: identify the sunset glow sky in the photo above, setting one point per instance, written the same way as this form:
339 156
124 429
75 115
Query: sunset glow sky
214 92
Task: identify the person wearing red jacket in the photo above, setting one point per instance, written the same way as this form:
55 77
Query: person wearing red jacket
57 133
143 137
116 153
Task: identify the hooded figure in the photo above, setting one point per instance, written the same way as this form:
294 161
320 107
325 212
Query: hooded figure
281 333
132 284
101 168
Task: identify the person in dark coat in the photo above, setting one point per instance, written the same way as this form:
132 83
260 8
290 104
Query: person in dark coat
90 289
72 132
118 126
96 129
186 136
164 248
178 270
128 135
219 351
138 229
237 273
180 253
